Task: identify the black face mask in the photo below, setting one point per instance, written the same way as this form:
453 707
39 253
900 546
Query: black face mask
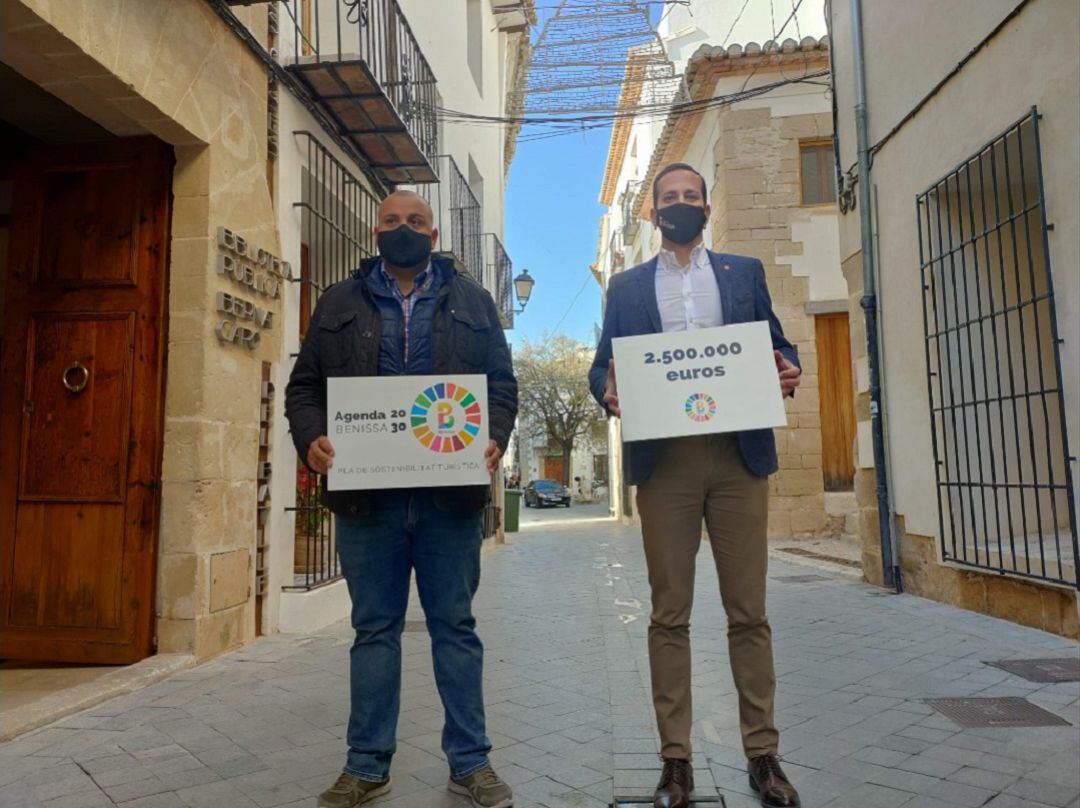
681 223
404 247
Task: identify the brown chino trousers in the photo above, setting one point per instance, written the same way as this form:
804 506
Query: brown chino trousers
704 478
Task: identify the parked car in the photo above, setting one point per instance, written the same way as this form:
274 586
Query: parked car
539 493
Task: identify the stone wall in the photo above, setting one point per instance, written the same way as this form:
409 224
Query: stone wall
1029 603
755 199
171 68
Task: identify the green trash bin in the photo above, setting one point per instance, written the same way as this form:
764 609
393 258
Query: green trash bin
511 509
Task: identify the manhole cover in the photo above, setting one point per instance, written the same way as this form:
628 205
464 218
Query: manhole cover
800 579
416 626
1066 669
1008 711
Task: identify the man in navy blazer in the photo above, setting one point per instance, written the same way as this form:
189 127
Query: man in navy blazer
721 479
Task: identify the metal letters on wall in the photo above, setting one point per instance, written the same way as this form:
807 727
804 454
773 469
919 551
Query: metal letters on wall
257 270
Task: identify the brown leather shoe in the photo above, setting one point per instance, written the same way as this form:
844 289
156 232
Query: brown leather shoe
676 783
771 784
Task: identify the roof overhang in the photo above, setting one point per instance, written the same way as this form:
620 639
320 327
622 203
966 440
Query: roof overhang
629 95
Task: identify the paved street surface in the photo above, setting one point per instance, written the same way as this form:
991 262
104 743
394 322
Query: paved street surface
563 612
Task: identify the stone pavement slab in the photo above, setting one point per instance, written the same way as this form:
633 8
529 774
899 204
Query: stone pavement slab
563 612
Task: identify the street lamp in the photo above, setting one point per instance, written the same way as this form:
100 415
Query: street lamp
523 286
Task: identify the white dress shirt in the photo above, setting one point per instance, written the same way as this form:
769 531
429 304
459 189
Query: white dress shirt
688 296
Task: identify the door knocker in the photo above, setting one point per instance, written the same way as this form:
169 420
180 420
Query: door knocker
75 386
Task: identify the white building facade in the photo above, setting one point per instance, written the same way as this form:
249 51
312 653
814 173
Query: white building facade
468 58
975 222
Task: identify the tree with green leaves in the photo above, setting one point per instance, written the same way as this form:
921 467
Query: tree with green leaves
553 395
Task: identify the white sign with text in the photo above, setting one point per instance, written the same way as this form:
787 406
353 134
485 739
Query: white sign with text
698 382
405 431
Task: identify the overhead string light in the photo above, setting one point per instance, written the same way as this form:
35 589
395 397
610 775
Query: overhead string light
567 124
587 51
599 61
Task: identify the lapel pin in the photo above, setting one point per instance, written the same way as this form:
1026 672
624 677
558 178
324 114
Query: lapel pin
727 266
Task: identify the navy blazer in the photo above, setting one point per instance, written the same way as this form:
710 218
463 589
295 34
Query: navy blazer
631 309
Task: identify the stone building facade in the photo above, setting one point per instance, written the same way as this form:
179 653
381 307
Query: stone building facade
754 153
158 170
203 95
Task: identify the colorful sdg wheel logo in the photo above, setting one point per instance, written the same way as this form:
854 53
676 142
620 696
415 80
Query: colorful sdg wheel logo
700 407
445 417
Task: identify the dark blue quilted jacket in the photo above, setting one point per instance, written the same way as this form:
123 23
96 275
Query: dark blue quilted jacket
392 322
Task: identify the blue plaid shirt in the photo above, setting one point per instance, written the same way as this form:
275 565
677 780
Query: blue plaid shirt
421 283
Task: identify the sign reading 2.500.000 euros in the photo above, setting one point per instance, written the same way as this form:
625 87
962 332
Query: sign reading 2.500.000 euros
697 382
405 431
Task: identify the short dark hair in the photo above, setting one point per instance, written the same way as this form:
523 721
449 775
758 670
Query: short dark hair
677 167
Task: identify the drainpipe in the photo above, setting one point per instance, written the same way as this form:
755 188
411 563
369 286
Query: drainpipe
890 568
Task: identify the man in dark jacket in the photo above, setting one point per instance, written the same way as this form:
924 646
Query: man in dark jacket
407 312
721 479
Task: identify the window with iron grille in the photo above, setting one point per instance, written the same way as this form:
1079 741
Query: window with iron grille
499 277
628 201
458 217
1004 484
337 214
616 256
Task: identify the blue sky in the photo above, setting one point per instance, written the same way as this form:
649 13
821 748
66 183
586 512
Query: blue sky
552 218
552 215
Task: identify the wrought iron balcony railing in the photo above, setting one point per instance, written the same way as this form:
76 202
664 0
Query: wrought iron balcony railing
362 64
628 201
499 277
458 216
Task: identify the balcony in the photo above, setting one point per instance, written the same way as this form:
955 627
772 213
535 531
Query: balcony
361 63
458 216
627 202
499 278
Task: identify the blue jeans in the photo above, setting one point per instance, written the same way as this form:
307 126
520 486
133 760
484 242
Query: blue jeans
405 532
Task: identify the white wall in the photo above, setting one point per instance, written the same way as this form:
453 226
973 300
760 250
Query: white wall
443 38
709 22
288 182
1033 61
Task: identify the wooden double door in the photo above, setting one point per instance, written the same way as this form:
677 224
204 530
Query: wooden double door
82 363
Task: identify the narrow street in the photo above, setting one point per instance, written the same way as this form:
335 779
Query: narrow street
563 611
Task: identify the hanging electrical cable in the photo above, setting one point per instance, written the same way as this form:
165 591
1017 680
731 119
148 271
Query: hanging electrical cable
660 109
